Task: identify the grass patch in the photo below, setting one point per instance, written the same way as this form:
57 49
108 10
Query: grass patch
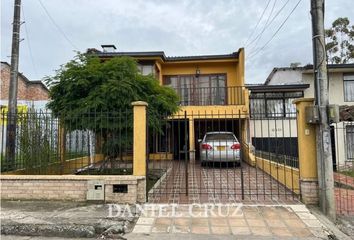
349 173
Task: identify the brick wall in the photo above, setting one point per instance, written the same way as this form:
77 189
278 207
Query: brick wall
69 187
27 90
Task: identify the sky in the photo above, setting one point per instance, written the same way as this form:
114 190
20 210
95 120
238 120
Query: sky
177 27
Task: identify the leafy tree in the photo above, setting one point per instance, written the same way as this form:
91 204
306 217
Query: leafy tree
89 93
340 41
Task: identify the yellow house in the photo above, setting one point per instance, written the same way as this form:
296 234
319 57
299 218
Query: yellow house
210 87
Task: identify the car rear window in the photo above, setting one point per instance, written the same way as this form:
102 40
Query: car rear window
220 137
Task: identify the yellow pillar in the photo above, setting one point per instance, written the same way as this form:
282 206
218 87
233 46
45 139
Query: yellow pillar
191 140
306 134
139 138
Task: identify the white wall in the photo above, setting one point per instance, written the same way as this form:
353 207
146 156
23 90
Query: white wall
287 76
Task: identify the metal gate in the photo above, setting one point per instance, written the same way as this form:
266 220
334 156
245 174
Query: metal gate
223 157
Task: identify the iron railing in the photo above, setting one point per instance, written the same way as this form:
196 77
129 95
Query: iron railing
82 143
204 96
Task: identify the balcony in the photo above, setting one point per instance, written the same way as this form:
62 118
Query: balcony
207 96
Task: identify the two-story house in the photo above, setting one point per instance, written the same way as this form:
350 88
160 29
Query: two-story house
341 92
210 88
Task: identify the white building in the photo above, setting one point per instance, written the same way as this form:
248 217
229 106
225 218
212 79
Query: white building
341 92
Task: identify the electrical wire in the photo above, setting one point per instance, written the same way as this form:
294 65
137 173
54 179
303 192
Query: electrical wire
57 26
259 36
259 20
29 42
276 32
271 21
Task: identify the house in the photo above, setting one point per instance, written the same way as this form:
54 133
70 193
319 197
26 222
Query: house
210 87
341 92
30 93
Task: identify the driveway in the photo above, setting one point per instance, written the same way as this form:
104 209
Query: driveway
217 183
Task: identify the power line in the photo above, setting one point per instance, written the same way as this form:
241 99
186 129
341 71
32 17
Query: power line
29 43
276 32
265 25
259 20
57 26
270 22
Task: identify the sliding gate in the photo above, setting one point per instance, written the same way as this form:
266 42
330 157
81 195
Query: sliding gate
222 158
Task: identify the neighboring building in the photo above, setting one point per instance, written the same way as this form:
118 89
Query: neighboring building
30 93
341 92
273 118
206 85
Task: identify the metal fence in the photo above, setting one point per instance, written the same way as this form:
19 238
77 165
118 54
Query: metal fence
203 96
186 166
82 143
342 138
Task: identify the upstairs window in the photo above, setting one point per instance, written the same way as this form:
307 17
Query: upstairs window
348 87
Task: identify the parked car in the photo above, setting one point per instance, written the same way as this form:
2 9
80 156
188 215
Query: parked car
219 147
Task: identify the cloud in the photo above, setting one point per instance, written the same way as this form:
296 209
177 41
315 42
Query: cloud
177 27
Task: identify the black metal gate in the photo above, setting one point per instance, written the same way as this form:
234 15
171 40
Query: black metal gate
194 158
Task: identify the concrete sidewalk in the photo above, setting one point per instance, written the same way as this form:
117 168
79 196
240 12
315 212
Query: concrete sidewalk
45 220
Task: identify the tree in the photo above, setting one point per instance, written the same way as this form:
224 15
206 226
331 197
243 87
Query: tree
340 41
87 93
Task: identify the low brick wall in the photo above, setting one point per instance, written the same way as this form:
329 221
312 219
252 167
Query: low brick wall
70 187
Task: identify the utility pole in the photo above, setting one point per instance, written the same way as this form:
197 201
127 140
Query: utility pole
12 104
323 138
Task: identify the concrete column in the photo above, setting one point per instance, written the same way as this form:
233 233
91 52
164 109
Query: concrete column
139 138
306 134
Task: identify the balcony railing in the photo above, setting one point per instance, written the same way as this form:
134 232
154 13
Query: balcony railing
211 96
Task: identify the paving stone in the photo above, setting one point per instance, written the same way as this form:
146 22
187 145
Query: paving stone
220 230
200 230
218 221
299 208
261 231
200 222
182 221
237 222
145 221
161 229
163 221
313 223
281 232
180 229
275 223
240 230
142 229
296 223
306 215
256 223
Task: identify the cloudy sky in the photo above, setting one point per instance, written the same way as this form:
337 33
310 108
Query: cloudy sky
178 27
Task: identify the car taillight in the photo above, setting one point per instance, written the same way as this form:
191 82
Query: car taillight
236 146
206 146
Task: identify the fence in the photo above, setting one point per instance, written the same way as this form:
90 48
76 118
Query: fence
83 143
221 157
342 136
203 96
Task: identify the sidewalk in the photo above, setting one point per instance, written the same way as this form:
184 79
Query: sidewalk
81 220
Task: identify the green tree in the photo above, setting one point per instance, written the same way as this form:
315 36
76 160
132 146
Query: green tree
87 93
340 41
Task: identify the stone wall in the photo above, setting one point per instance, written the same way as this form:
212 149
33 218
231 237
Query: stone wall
309 192
70 187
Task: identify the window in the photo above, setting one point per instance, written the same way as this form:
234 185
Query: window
201 90
273 104
348 87
146 69
349 133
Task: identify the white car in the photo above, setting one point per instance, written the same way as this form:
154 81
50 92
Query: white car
219 147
